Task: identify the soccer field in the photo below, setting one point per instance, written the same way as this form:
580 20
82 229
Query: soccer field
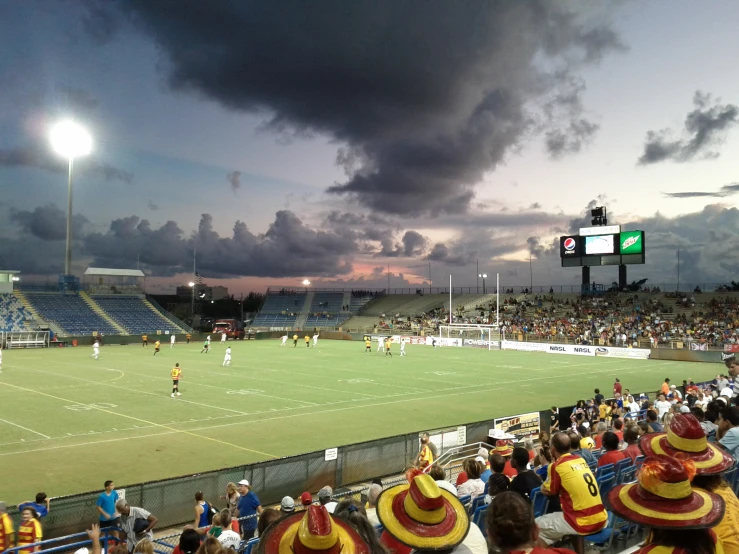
69 422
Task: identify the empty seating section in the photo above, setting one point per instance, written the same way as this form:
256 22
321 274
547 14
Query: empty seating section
274 320
135 315
69 312
387 304
280 310
326 310
357 302
13 315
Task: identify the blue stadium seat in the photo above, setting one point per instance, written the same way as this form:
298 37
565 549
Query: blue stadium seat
134 315
13 315
620 466
478 518
539 501
326 310
69 312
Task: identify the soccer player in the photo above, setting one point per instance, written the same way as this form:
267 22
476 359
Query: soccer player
157 344
206 346
307 341
295 340
144 340
96 349
284 340
175 373
171 341
367 345
380 344
188 337
402 347
227 357
388 343
315 340
29 531
223 337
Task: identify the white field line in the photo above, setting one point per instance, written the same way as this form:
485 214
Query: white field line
24 428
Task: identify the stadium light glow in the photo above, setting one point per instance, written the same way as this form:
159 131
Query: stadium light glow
190 284
483 276
16 279
70 140
306 282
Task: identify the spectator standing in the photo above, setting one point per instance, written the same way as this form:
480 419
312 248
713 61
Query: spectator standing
612 455
676 515
425 454
202 508
372 495
526 480
554 420
571 480
7 532
599 398
618 428
41 506
504 448
653 422
232 497
728 430
486 471
228 537
431 445
136 523
248 505
727 528
106 506
600 428
29 530
617 389
666 387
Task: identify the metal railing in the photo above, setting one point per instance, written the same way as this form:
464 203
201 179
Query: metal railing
69 542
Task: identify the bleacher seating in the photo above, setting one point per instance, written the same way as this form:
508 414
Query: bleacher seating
70 313
274 320
357 302
281 303
13 315
326 310
134 315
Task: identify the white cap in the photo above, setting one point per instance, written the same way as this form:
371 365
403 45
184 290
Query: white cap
244 482
480 459
727 392
684 410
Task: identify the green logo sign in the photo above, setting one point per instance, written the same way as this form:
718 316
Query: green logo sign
631 242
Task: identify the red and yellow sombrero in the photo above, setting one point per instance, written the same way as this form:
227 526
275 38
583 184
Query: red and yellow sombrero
686 436
503 447
664 499
422 515
312 531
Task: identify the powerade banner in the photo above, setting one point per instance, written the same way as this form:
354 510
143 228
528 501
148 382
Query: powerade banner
523 426
570 247
631 242
481 343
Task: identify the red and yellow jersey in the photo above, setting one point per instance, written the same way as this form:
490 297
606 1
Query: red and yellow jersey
727 527
176 372
658 549
426 457
571 478
6 529
156 344
29 532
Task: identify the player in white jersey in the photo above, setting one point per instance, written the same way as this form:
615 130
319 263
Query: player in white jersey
315 340
1 358
227 357
96 350
380 344
402 347
171 341
284 340
223 337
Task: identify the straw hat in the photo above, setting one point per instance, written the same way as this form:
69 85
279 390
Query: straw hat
422 515
312 531
686 436
664 499
503 447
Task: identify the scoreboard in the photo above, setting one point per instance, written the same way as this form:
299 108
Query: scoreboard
598 246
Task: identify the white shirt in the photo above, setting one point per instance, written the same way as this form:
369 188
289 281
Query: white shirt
473 487
229 539
662 407
171 338
96 346
228 351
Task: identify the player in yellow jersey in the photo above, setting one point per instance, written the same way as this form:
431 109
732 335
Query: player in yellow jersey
175 373
144 340
295 340
367 344
157 344
307 341
388 342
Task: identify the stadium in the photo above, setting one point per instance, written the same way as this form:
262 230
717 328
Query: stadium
377 369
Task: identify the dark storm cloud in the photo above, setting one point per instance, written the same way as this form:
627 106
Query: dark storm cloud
31 156
726 190
100 22
441 253
234 179
412 244
704 128
47 222
423 96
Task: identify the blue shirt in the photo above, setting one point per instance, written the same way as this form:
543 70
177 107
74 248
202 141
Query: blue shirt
204 516
248 504
40 508
107 503
486 475
730 441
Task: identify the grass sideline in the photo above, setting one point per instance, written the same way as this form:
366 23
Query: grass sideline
68 422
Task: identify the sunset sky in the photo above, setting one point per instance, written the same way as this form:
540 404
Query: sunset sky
291 140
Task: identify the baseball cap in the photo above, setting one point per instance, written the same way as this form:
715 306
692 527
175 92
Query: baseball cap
244 482
325 492
684 409
727 392
480 459
287 504
306 499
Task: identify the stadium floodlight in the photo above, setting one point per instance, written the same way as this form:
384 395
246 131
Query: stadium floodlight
483 276
16 279
70 140
306 282
192 297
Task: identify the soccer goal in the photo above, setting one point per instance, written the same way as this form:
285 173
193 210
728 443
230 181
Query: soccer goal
480 336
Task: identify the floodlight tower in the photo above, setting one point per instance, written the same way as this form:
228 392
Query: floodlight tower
70 140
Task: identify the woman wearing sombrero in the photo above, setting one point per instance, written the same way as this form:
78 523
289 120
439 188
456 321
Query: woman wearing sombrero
685 439
679 518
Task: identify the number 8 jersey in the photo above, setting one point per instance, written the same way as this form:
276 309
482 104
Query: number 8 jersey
571 478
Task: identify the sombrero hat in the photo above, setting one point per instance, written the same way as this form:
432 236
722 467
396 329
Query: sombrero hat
312 531
686 436
422 515
664 499
503 447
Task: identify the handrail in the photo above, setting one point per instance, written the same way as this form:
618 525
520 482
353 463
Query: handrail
169 316
105 536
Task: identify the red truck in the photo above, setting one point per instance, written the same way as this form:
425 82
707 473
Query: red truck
233 328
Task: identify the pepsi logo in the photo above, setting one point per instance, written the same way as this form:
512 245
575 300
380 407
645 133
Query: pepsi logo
569 244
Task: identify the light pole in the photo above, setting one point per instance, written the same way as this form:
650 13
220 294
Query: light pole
192 302
70 140
483 276
306 284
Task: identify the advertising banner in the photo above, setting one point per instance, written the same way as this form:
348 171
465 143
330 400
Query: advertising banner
523 426
572 349
570 247
443 341
615 352
599 244
524 346
481 343
578 350
409 339
731 347
698 346
631 242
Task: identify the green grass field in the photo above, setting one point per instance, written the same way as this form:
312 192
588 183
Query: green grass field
68 422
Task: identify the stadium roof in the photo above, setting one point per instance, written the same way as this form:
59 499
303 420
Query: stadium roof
9 271
114 272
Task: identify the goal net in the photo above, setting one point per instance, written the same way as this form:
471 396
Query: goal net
480 336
